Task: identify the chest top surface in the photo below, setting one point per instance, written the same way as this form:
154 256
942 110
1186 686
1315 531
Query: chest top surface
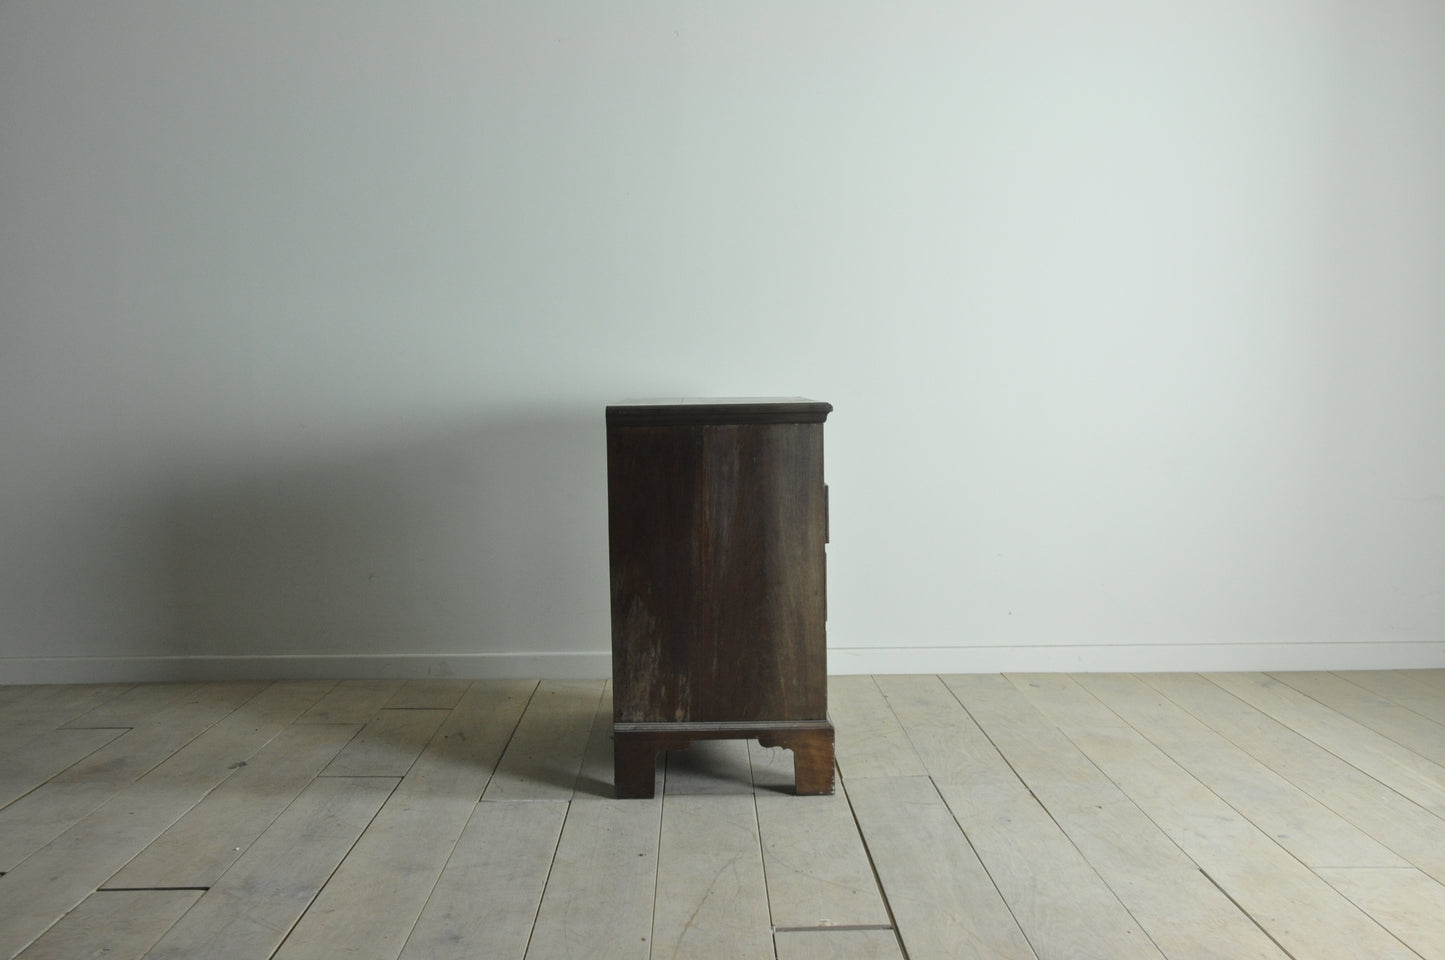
684 411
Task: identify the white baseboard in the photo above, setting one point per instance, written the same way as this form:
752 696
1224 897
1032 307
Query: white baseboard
1140 658
581 665
470 666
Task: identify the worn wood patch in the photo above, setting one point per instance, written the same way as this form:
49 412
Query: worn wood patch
870 740
837 945
116 925
599 899
1297 909
1298 822
944 902
712 901
817 869
544 756
251 908
486 900
203 844
1185 915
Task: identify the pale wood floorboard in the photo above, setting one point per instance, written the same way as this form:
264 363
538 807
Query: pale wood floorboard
594 779
1406 902
817 869
944 902
1301 824
66 870
1058 900
1218 817
37 761
1384 814
837 945
164 723
485 903
114 924
9 695
1187 916
1061 904
876 745
600 896
204 843
1380 714
369 905
709 768
710 868
428 694
45 813
159 737
1297 908
352 701
1407 688
388 745
250 909
133 706
42 709
544 759
1394 765
772 769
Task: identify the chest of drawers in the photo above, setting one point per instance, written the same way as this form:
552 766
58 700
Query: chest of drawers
717 520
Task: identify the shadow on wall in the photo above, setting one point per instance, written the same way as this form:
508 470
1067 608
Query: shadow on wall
477 539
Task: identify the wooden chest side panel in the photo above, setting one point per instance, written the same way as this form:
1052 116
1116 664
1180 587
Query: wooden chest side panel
716 547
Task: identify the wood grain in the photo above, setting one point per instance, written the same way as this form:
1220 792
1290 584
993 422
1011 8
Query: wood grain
116 925
1185 915
710 767
388 745
70 867
943 901
428 695
1408 688
712 897
213 834
370 904
1059 902
936 727
10 694
134 705
600 895
837 945
1051 816
42 709
1405 902
251 908
157 737
595 778
1296 908
38 760
716 548
1419 734
1296 821
486 901
352 701
817 870
1382 813
870 740
544 756
1394 765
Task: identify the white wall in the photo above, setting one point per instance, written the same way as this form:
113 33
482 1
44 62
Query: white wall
1132 314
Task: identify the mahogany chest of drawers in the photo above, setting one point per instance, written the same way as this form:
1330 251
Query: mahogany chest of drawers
717 520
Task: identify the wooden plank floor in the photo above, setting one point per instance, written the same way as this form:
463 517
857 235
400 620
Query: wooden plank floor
1020 817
